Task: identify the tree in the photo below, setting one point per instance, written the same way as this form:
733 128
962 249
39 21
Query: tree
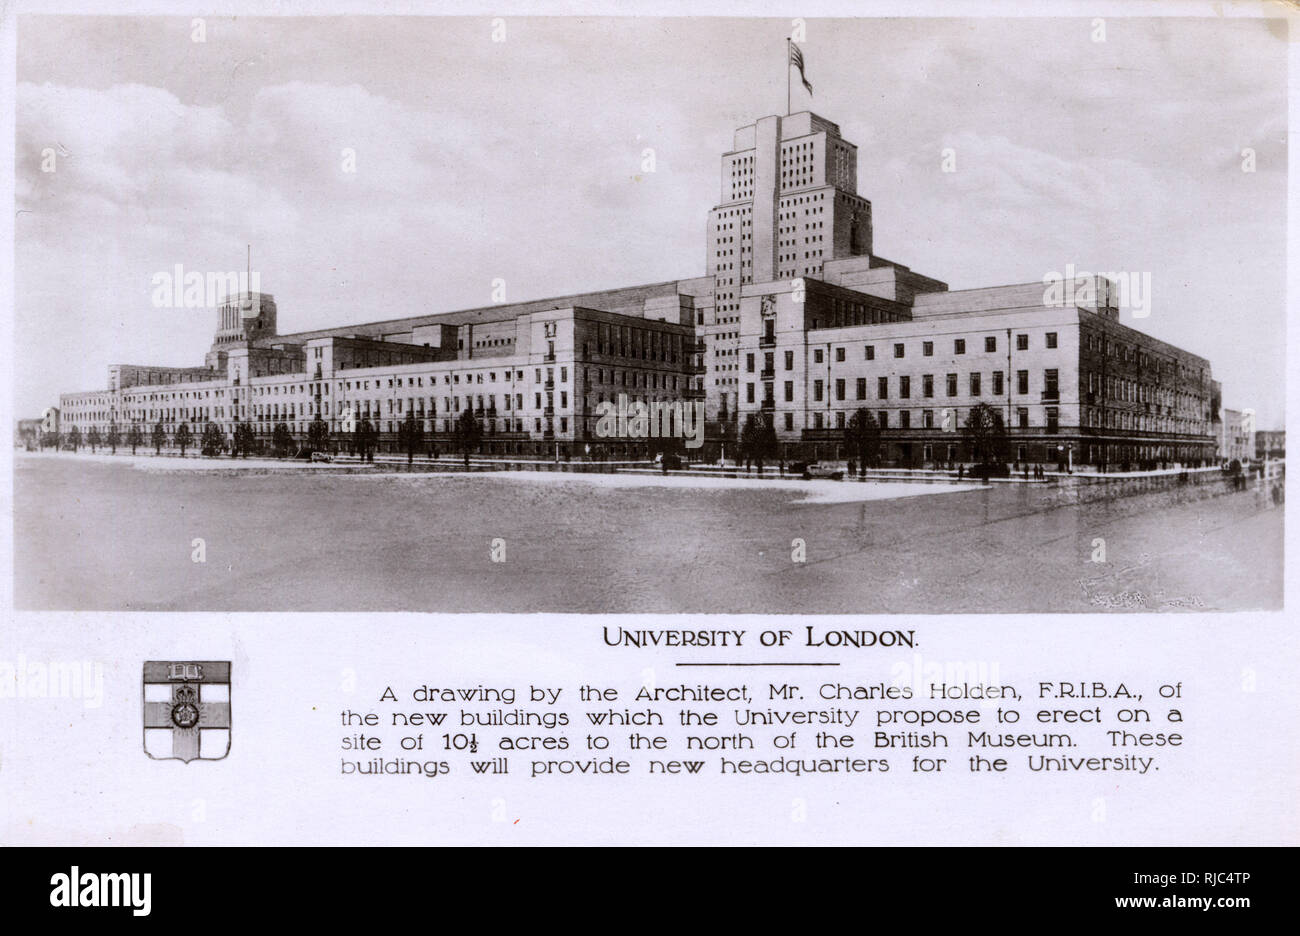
986 434
748 435
467 433
184 437
213 440
364 439
244 439
765 444
318 435
159 437
74 438
135 437
93 439
862 438
282 439
114 436
757 440
411 434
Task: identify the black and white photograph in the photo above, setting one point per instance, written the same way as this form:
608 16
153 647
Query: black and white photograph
647 424
882 316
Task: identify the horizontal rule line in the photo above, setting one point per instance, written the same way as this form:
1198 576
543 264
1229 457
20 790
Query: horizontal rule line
756 664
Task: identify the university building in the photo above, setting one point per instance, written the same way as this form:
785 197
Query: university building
797 320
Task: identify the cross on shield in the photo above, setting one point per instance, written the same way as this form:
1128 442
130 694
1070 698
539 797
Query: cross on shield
187 710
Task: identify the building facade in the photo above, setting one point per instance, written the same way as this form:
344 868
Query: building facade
533 374
1270 443
1236 437
796 321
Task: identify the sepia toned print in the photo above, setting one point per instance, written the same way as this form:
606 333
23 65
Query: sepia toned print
311 329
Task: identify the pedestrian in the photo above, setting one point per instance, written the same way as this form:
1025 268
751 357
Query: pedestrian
961 472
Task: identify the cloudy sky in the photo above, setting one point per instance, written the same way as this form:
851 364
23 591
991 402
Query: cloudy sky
522 160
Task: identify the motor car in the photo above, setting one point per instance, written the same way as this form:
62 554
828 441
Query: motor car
822 470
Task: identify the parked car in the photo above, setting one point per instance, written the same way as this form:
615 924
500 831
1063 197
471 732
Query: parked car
322 457
821 470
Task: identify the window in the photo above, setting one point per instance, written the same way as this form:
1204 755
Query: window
789 391
1053 419
905 387
1022 418
1049 384
871 352
990 343
862 388
1051 339
882 388
1022 381
905 419
959 346
952 385
927 348
927 418
883 418
839 388
839 420
997 383
839 354
927 385
749 363
789 360
818 356
789 421
974 384
898 350
1022 342
749 393
817 390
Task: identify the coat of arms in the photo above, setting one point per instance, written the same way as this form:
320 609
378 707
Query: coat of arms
187 710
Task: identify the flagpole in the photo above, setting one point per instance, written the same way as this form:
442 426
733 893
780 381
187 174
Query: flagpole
787 76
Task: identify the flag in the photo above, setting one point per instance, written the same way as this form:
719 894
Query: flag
796 59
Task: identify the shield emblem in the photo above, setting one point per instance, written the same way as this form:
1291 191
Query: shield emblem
187 710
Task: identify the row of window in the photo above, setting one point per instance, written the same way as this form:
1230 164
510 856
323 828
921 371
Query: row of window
1132 354
947 420
975 385
958 347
